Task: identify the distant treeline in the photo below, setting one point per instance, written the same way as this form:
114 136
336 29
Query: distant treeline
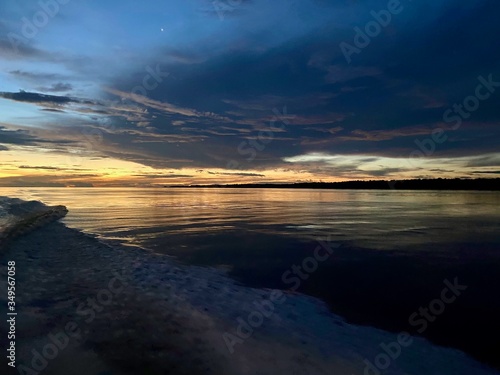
418 184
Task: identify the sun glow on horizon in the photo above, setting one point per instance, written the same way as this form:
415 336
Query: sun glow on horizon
25 166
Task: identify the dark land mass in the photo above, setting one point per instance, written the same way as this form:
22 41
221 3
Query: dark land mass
492 184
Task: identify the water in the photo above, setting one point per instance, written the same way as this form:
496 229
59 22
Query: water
381 220
395 247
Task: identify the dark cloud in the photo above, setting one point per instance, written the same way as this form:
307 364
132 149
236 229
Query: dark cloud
32 97
22 137
485 161
393 94
32 76
237 174
220 95
28 182
163 175
57 87
43 181
487 172
16 137
52 110
39 167
49 168
12 51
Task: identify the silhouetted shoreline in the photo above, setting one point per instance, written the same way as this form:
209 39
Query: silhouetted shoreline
483 184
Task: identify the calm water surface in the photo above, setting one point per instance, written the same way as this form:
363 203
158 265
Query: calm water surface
396 247
390 220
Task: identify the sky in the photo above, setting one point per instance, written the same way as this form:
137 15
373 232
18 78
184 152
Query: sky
154 93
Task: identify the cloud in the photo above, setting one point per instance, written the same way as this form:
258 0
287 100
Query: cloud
226 79
185 57
328 130
16 137
52 110
161 175
162 106
384 135
34 76
492 160
339 73
237 174
31 97
13 135
10 51
39 167
49 168
42 181
327 118
57 87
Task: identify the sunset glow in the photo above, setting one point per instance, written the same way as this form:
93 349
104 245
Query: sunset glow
186 95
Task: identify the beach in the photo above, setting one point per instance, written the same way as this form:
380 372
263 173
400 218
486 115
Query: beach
114 309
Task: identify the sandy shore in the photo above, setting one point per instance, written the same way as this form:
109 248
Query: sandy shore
90 308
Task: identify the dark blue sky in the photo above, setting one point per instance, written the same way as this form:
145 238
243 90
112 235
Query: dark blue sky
155 92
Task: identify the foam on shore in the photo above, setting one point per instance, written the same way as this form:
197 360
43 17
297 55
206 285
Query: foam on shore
18 217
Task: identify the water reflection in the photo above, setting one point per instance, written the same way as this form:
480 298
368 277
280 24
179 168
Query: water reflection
427 236
386 220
